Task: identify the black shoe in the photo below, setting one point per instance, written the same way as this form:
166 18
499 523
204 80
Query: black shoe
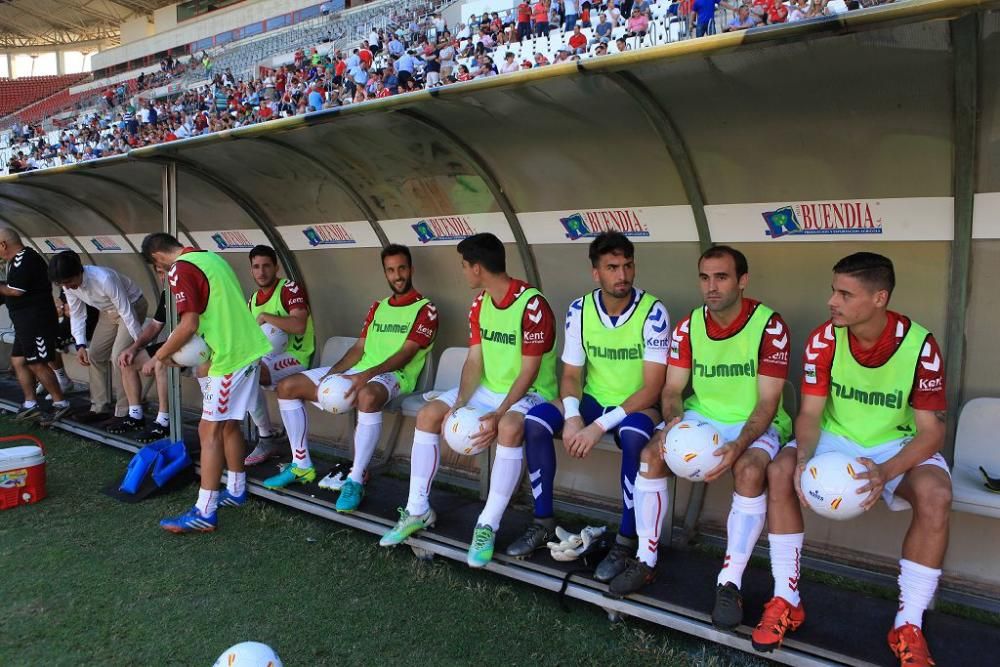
25 414
91 417
533 539
636 575
122 425
156 431
728 610
614 563
58 412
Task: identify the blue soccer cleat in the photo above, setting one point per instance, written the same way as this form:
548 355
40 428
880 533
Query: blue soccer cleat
227 499
191 521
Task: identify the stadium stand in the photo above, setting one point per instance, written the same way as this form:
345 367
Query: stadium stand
18 93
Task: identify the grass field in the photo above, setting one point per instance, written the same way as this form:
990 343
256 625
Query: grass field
88 580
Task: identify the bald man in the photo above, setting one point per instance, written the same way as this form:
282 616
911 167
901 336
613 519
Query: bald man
28 295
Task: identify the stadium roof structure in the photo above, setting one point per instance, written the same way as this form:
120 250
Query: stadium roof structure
53 24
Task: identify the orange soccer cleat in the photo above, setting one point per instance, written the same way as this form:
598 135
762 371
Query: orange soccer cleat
778 618
908 644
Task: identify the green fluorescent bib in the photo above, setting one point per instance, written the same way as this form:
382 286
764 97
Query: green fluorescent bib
614 355
387 332
301 347
724 372
501 336
871 406
226 325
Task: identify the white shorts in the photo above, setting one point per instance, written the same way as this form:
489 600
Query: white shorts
832 442
388 380
280 365
484 399
230 396
769 442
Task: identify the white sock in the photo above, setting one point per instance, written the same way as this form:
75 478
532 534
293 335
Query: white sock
135 411
236 483
296 421
503 481
917 584
261 417
786 550
163 418
745 524
366 437
62 377
29 404
651 505
424 460
208 501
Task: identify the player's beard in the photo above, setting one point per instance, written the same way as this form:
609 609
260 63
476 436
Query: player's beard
399 292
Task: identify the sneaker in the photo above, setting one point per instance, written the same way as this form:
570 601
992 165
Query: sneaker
350 496
779 617
614 563
25 414
122 425
481 549
728 610
227 499
909 645
265 449
636 575
406 526
334 480
291 473
191 521
91 417
533 539
58 412
156 431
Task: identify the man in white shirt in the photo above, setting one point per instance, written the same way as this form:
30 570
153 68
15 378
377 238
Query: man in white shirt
123 311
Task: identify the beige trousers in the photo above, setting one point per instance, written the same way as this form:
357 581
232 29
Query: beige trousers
110 339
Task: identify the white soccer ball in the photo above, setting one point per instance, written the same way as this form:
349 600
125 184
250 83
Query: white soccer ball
330 394
193 353
248 654
830 488
689 449
275 336
462 426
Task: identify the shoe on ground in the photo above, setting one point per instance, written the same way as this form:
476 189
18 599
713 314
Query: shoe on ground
778 618
91 417
290 475
481 550
636 575
25 414
265 449
123 425
58 412
536 537
156 431
728 610
407 525
614 563
191 521
350 496
910 646
227 499
334 480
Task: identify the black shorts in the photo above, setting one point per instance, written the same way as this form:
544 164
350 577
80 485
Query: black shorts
35 334
152 348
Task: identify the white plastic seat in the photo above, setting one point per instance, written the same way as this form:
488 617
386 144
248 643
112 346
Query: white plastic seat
335 348
975 446
447 376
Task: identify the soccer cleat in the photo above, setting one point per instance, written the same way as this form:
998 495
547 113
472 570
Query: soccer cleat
227 499
265 449
406 526
909 645
191 521
614 563
25 414
58 412
728 610
533 539
291 474
156 431
350 496
481 549
636 575
334 480
91 417
779 617
121 425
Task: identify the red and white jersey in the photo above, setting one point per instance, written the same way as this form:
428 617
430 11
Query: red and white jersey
928 391
424 327
772 360
293 296
189 285
538 323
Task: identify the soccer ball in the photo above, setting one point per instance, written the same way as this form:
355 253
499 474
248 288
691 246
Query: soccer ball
830 488
193 353
330 394
462 426
275 336
689 449
248 654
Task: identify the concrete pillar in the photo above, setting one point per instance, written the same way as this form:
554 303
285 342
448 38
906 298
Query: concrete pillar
10 72
60 62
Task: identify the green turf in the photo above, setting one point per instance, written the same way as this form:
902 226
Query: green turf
88 580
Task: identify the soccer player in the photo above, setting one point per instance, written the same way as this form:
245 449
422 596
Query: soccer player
734 352
28 295
210 303
122 309
619 335
284 305
384 363
872 388
140 355
510 369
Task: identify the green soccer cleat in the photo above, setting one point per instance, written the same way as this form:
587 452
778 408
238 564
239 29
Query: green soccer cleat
481 549
290 475
351 494
406 526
